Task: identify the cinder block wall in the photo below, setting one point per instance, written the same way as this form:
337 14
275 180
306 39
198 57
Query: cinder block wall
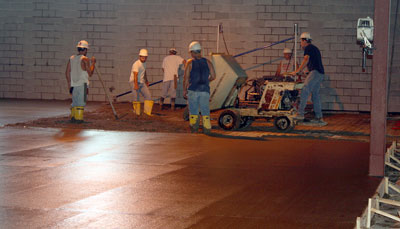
38 36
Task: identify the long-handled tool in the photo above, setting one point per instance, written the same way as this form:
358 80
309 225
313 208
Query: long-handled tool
105 91
125 93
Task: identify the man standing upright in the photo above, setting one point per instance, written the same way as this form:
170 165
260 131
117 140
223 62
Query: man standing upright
312 59
79 69
196 85
140 84
170 68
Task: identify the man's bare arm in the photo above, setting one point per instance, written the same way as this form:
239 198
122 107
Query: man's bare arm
212 71
68 74
186 76
302 66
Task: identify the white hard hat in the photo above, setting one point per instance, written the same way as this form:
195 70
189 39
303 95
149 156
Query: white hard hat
195 46
143 52
83 44
305 35
287 50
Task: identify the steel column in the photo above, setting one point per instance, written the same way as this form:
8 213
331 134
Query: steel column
379 88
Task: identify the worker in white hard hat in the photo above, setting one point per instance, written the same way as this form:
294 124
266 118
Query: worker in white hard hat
198 73
140 84
79 69
170 66
286 65
312 59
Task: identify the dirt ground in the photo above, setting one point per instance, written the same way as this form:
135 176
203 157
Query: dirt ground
350 126
103 119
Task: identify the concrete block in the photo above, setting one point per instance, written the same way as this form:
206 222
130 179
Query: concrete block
201 8
278 31
358 84
364 92
344 84
302 9
271 9
364 107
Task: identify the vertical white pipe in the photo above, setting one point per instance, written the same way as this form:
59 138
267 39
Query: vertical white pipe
218 37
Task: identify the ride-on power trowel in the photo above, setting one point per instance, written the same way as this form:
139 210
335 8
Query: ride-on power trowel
269 99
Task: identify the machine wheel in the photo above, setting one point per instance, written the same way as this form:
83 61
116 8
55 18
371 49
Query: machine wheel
283 124
186 113
229 120
246 121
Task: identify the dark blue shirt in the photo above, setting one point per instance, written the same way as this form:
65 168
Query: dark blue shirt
199 74
315 61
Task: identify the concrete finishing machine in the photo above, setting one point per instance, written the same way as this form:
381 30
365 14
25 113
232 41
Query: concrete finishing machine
271 100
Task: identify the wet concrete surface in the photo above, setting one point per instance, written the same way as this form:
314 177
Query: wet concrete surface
62 178
22 110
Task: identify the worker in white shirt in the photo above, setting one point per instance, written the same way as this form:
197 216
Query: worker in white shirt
286 65
170 68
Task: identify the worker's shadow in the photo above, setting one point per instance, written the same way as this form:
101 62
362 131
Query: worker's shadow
329 97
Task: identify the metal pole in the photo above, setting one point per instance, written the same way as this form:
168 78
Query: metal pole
267 46
379 88
295 45
106 92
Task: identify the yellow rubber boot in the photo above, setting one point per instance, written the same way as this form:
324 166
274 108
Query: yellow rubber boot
136 107
79 114
206 125
194 123
72 115
148 106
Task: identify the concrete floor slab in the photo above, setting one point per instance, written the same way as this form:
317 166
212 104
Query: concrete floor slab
103 179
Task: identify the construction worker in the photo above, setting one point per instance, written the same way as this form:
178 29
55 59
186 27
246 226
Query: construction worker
286 65
140 84
170 68
312 59
79 69
198 73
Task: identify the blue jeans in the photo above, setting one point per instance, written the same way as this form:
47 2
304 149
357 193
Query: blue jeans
312 86
199 99
143 89
79 96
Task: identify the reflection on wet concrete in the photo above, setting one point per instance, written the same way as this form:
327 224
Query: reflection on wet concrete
69 135
105 179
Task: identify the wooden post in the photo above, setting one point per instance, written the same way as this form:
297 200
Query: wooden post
379 88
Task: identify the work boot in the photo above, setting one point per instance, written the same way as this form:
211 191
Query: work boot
79 114
136 107
319 122
148 106
194 123
206 125
72 115
161 103
173 104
